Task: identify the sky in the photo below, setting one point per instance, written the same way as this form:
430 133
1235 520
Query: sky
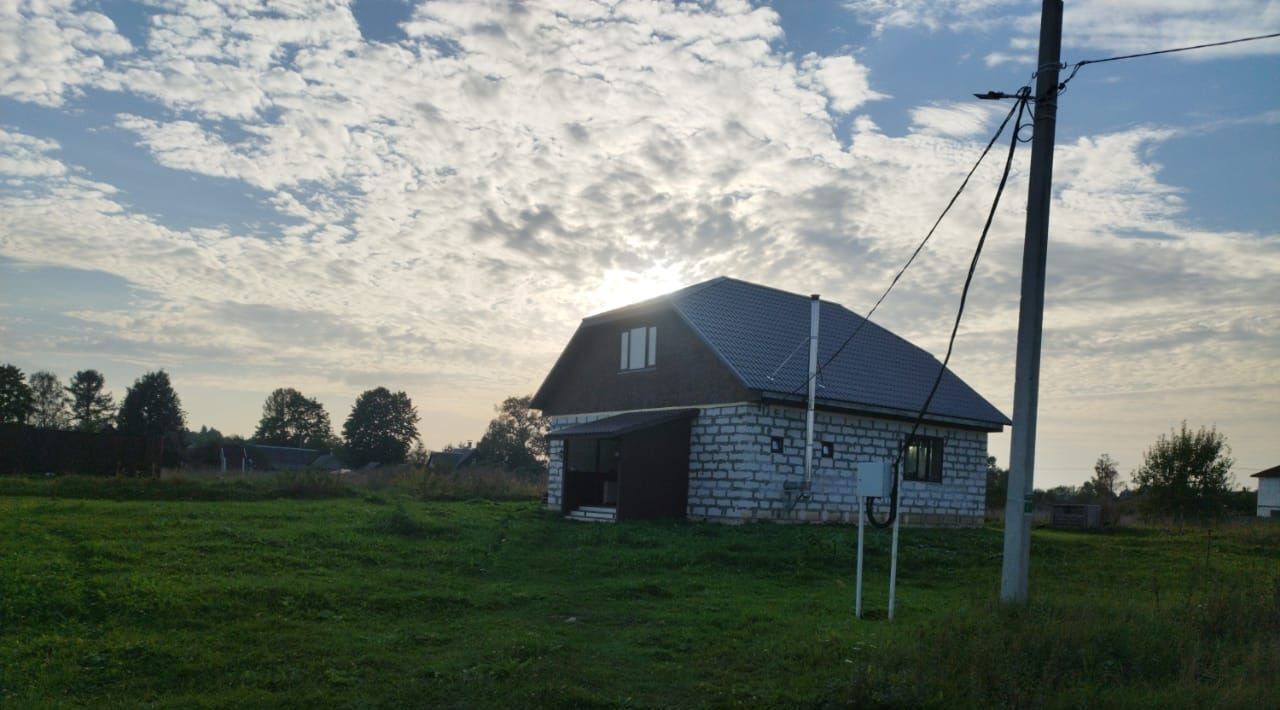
429 196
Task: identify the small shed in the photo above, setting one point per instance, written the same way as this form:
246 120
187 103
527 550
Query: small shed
631 466
1076 516
1268 492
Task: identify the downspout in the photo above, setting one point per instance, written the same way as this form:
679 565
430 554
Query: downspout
814 308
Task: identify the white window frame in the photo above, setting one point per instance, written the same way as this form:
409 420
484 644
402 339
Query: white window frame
638 349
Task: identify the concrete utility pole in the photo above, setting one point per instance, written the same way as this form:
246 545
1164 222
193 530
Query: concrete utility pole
1026 389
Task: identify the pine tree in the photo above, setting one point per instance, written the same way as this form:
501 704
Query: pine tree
91 408
15 396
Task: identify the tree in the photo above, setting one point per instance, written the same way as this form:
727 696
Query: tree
516 439
290 419
15 396
419 455
151 407
1106 475
48 402
91 408
381 427
1187 473
997 485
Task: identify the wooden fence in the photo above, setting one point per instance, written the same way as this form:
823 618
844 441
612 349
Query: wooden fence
26 449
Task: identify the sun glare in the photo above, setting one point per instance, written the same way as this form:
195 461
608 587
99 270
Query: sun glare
620 287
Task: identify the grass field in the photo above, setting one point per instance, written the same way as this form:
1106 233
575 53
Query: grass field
383 600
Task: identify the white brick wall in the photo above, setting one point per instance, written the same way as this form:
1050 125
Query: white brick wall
733 476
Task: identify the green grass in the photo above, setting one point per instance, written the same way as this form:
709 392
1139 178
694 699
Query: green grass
384 600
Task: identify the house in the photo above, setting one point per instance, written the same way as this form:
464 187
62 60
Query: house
1268 492
452 458
693 405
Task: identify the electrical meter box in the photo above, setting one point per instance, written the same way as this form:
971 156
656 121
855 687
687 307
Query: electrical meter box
875 479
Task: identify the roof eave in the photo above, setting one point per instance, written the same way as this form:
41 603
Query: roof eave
880 411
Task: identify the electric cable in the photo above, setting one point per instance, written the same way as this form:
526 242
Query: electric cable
1024 97
867 318
1077 66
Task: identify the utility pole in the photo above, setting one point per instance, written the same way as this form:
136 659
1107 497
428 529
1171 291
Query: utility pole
1026 389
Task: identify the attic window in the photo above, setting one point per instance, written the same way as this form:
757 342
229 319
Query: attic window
639 348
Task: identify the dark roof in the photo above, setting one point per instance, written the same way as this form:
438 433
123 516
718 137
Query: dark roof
620 424
286 456
754 329
451 458
1273 472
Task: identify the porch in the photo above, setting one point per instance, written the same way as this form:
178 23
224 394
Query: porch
632 466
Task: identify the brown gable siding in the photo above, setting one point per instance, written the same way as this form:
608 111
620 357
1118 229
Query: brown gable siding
587 377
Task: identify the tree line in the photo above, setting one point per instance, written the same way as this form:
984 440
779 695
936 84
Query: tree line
382 426
1184 474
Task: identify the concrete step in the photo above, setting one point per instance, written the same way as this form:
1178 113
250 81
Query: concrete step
584 519
599 509
593 514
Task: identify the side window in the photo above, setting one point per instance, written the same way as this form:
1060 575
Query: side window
639 348
923 460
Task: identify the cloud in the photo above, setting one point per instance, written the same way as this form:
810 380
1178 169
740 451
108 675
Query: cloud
960 120
48 49
843 80
995 59
1102 25
1124 28
930 14
23 156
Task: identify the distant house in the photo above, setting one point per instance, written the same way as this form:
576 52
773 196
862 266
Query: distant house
452 458
260 457
235 458
693 405
284 458
1268 492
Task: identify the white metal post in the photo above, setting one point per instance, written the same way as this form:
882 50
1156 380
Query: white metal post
862 521
814 314
893 553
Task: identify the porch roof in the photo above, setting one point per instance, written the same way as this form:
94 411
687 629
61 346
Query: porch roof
624 423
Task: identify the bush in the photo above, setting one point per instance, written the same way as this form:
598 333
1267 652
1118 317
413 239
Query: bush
1186 474
311 484
473 482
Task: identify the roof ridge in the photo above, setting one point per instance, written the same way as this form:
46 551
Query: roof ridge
669 296
753 284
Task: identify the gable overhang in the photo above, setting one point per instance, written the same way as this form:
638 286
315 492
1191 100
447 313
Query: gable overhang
871 410
650 306
540 397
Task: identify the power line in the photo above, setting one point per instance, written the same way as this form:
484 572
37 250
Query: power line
914 254
1076 67
1024 97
